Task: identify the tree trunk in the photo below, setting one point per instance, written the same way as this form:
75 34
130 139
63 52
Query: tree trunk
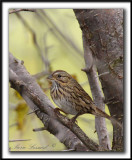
103 31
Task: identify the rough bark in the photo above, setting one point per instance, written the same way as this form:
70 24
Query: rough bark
103 30
26 85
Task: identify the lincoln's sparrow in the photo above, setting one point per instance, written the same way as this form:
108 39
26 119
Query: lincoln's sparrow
71 98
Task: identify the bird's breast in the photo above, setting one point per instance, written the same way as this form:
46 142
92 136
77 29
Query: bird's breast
65 105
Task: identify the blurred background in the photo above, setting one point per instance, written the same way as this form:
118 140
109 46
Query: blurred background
46 40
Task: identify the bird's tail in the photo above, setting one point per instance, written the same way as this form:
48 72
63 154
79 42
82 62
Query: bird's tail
100 113
115 122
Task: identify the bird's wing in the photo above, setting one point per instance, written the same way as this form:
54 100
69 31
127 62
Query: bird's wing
82 93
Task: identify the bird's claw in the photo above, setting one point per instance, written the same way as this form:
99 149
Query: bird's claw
57 110
71 122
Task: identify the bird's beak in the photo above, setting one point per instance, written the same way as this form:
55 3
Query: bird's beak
50 77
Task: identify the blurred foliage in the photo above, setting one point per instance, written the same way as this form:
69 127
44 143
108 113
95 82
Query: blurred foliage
59 39
21 111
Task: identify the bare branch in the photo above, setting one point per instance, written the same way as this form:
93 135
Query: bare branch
34 38
58 34
97 96
69 150
102 74
19 10
16 140
26 85
67 40
14 124
41 74
46 49
32 111
39 129
81 135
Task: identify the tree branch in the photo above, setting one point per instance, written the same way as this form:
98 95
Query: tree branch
19 10
97 94
26 85
16 140
45 61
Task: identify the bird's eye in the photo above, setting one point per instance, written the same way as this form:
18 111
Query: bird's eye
59 75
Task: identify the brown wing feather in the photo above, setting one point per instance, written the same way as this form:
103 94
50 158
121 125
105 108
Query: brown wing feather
81 92
87 102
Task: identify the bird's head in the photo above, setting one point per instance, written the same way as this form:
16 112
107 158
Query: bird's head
59 76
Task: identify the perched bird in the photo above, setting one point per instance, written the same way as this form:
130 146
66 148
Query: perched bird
71 98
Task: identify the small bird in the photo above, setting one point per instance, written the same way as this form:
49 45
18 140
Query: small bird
71 98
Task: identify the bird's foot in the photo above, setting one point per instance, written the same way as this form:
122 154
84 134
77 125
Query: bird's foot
57 110
71 122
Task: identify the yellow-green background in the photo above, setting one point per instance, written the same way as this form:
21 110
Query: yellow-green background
61 56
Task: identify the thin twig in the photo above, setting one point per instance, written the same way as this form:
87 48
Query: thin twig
19 10
34 38
102 74
69 150
39 129
14 124
67 40
32 111
41 74
16 140
46 48
97 94
58 35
